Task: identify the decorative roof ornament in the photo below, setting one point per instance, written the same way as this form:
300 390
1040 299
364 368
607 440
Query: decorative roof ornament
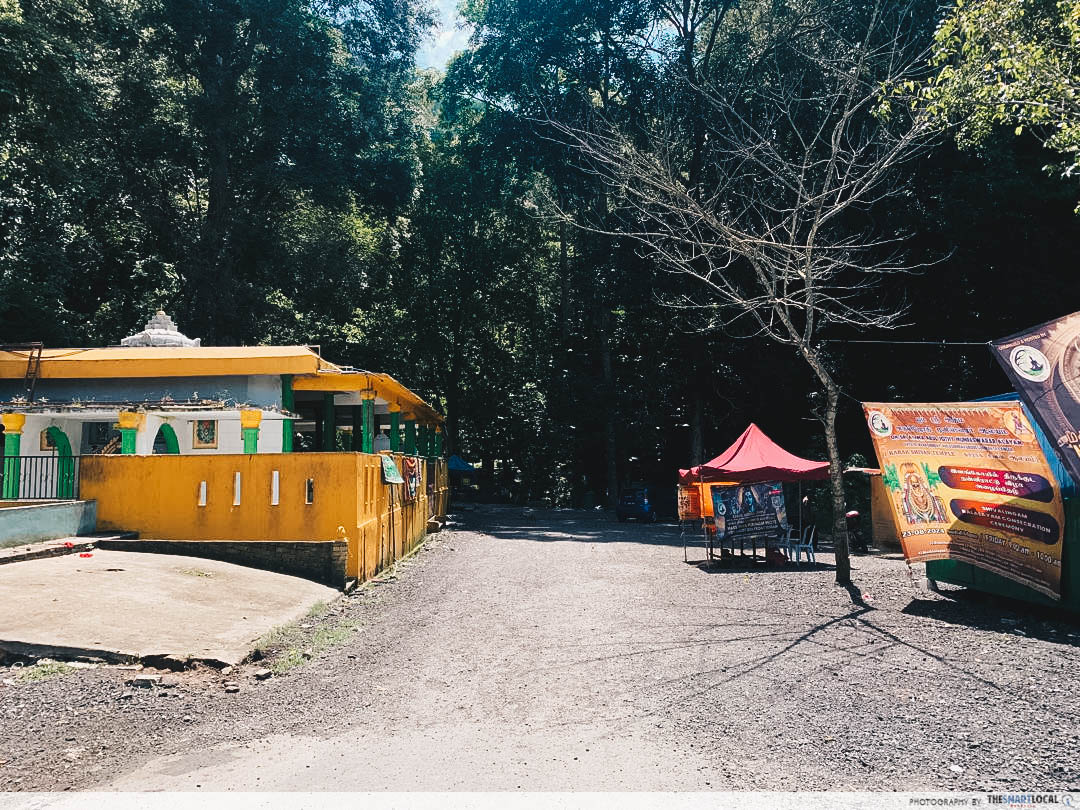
160 331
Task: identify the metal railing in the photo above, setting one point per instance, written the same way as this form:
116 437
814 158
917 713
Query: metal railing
39 477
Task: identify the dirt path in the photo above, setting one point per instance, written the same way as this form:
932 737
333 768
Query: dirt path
546 651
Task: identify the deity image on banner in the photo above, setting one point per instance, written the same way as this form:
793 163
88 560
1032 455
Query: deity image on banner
749 510
969 481
747 502
917 502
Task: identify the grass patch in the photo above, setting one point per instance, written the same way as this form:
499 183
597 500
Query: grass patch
291 645
43 672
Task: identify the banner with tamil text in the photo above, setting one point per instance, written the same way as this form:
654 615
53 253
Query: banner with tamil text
689 501
968 481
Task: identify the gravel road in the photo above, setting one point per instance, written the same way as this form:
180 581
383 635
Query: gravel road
544 650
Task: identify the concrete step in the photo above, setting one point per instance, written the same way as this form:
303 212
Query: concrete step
59 547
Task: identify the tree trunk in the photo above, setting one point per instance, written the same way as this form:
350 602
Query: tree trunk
697 427
836 470
836 479
220 60
610 443
487 476
564 288
561 401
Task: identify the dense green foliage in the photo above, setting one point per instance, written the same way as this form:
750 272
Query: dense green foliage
1011 62
280 172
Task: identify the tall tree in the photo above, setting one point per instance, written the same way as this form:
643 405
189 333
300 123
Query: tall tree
1014 62
779 240
212 156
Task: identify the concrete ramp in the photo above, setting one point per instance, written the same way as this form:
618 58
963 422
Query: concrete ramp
24 522
120 606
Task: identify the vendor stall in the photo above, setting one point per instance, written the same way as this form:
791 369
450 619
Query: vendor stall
464 477
747 476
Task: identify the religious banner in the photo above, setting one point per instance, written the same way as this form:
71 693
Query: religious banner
969 481
689 502
749 511
390 472
411 474
1043 365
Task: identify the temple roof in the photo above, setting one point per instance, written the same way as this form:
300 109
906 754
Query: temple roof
161 351
161 361
160 331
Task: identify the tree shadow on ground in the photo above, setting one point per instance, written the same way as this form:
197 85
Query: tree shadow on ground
740 564
573 529
554 525
999 614
875 636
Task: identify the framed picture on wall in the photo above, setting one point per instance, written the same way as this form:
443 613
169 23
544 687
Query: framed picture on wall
47 442
204 434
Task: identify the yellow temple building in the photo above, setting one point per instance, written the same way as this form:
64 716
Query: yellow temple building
234 444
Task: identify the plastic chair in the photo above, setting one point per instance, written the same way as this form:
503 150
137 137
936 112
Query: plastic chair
790 542
805 544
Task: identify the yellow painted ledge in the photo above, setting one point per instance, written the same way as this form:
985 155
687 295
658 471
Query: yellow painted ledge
194 361
386 388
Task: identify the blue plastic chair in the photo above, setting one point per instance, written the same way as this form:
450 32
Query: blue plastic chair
790 542
805 544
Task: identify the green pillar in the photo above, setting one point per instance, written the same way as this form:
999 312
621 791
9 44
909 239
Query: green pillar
129 423
368 406
250 419
127 441
358 428
410 437
395 431
288 402
425 440
11 464
329 425
438 442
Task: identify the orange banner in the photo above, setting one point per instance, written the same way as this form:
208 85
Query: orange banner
968 481
689 502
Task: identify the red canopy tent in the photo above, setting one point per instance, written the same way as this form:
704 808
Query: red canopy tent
753 458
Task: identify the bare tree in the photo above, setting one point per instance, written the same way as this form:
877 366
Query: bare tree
781 237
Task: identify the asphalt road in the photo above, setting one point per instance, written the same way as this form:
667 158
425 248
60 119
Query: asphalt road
533 650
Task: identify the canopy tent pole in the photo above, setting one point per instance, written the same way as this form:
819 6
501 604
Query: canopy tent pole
704 526
800 511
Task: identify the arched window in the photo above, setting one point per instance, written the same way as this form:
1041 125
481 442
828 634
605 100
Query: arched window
165 442
65 467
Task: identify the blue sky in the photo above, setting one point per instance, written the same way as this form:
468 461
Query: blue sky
447 38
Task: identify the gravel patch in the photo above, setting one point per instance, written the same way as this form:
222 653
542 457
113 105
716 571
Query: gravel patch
536 650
